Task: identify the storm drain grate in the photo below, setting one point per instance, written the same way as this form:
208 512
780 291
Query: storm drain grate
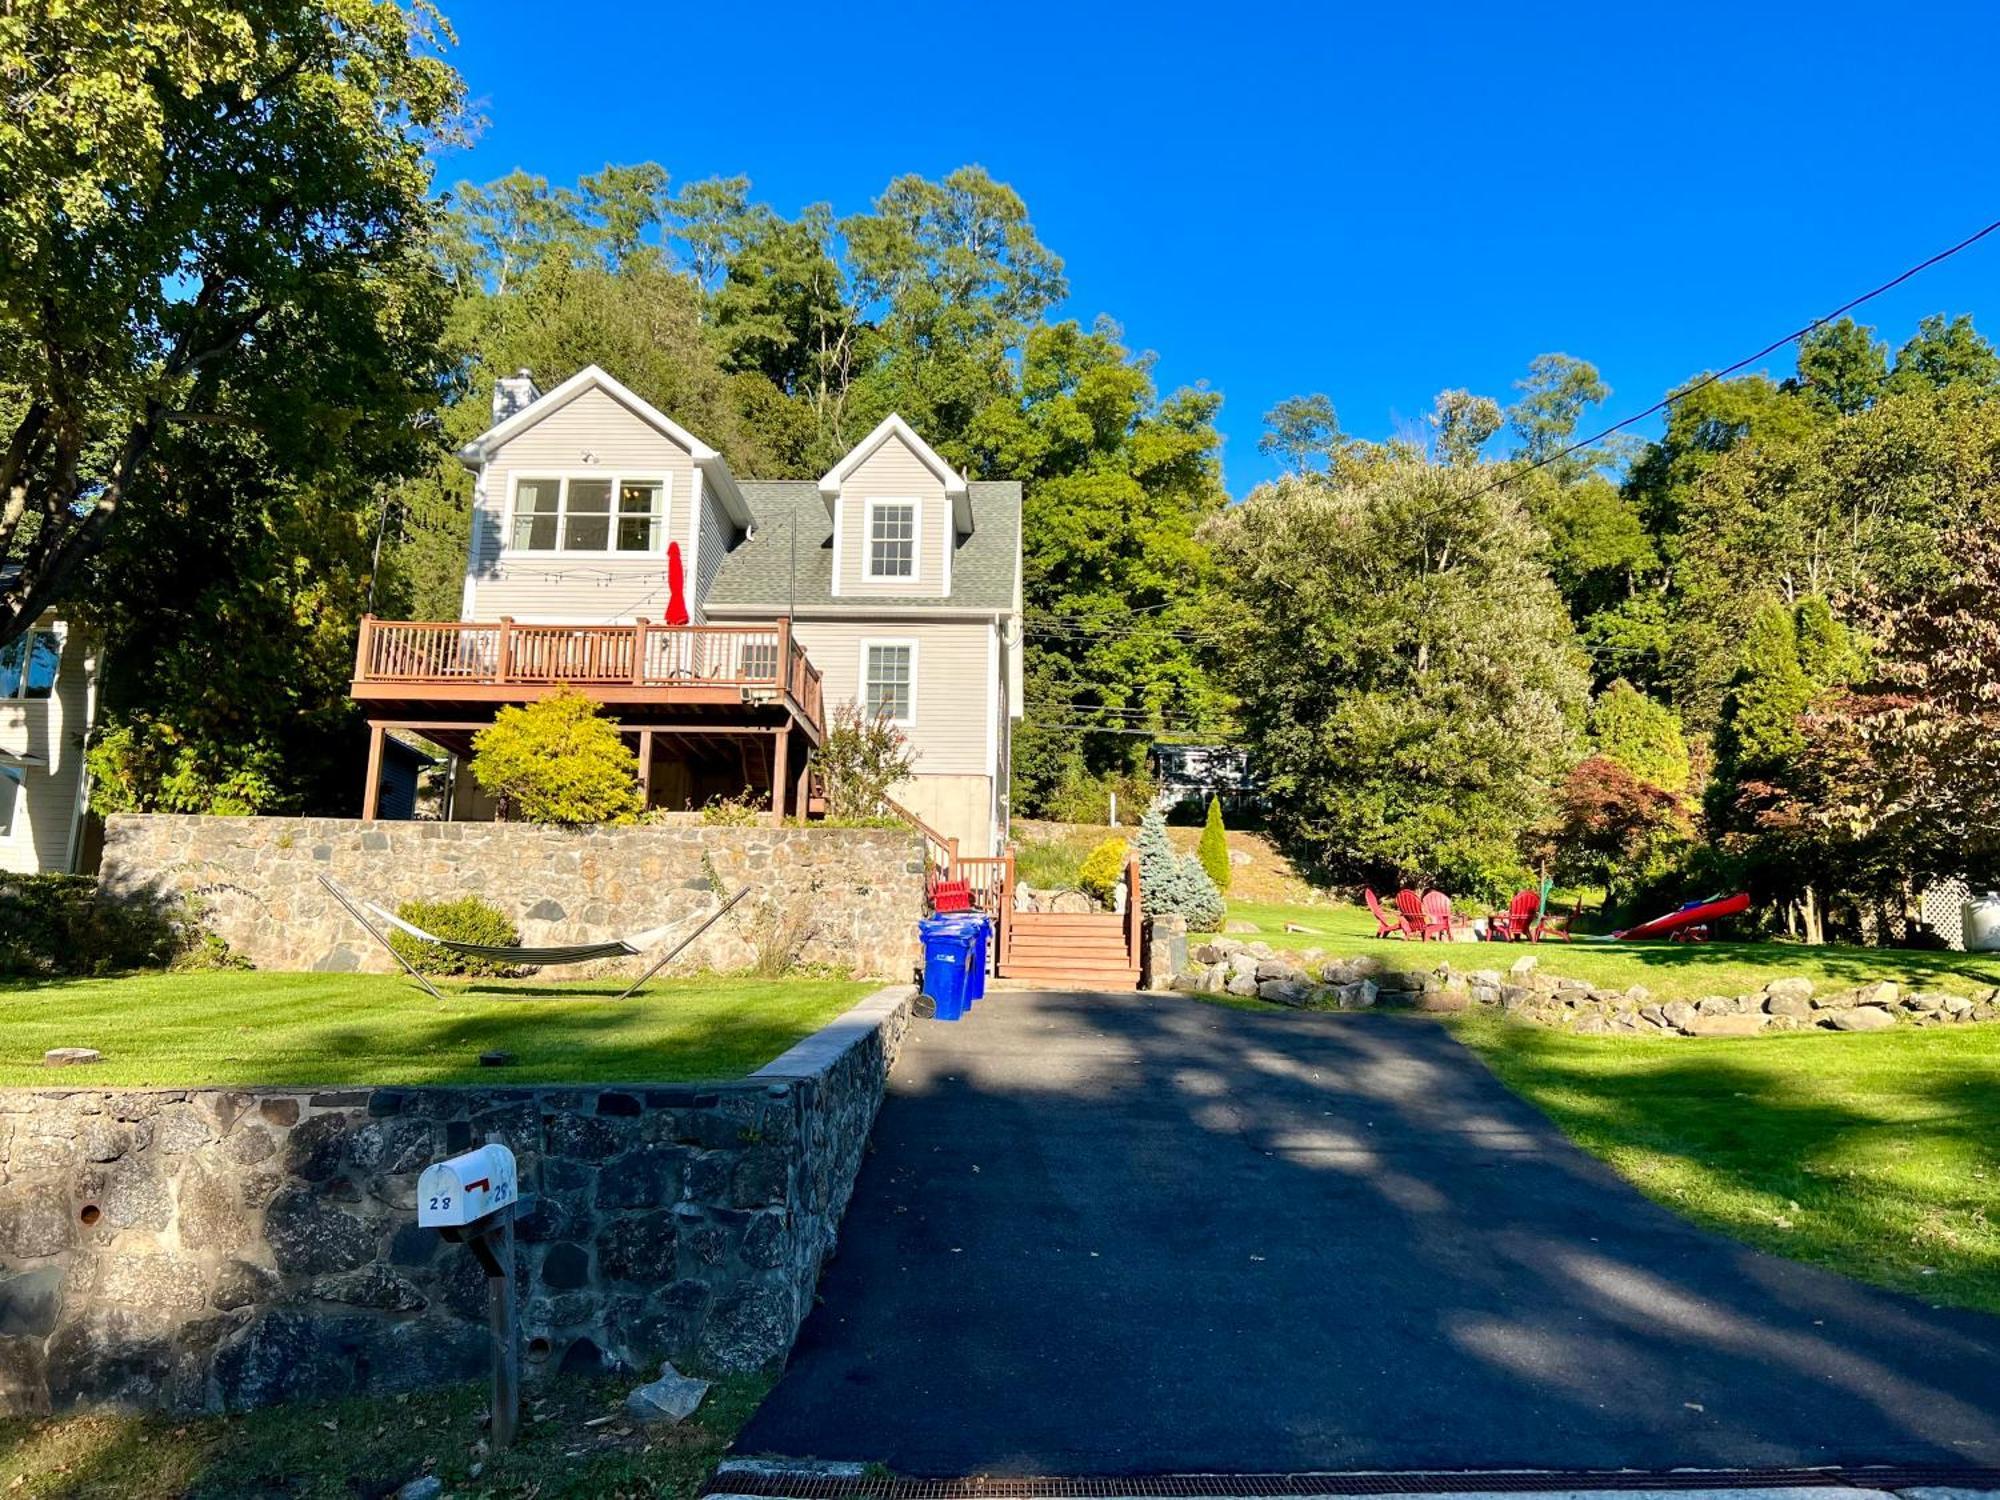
807 1485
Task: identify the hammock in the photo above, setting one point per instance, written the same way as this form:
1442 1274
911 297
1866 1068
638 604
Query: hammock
569 953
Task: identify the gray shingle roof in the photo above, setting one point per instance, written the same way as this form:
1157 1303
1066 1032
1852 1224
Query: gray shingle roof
759 572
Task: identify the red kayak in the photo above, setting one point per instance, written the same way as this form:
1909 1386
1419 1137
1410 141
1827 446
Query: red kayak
1698 915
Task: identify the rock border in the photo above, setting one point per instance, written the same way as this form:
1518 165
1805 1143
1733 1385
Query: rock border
1311 979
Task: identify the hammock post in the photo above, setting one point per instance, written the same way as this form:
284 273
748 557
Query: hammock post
373 931
673 952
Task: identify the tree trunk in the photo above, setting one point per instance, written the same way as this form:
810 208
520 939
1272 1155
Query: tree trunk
1815 931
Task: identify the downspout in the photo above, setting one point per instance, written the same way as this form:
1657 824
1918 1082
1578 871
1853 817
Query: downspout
94 667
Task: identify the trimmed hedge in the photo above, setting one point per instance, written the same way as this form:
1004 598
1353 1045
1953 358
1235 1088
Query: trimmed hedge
60 925
468 920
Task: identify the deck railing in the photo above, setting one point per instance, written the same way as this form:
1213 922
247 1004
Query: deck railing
418 653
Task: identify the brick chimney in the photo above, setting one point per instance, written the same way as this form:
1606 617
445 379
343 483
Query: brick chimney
513 392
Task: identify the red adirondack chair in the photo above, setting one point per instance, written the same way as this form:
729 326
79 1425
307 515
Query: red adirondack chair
1557 929
1410 912
947 895
1386 925
1436 907
1517 923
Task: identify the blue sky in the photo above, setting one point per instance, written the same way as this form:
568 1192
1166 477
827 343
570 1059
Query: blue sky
1376 203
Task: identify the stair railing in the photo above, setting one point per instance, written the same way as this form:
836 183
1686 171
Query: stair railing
1134 928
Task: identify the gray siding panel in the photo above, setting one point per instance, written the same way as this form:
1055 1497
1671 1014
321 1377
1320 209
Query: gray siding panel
893 472
52 729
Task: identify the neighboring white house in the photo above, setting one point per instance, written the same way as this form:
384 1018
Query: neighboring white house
891 582
48 698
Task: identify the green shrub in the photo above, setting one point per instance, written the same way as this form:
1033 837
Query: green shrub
1103 870
63 924
468 920
1175 883
1053 864
1087 799
740 811
859 761
557 761
1213 850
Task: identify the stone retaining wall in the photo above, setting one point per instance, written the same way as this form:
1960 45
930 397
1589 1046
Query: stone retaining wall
851 897
1310 980
215 1249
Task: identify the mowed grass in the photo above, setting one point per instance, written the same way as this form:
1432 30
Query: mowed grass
1877 1155
237 1027
575 1444
1671 971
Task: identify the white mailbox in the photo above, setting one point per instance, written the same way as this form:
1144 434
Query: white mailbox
462 1191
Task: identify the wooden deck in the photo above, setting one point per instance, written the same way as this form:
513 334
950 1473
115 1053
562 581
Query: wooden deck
706 687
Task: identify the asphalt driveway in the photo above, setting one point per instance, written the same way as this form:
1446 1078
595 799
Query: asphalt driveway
1144 1235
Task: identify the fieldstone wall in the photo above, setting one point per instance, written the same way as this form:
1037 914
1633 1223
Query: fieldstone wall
846 898
213 1249
1310 980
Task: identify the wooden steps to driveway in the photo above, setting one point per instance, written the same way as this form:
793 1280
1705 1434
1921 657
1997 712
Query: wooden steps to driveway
1069 950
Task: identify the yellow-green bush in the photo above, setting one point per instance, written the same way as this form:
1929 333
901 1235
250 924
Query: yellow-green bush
1103 869
468 920
557 761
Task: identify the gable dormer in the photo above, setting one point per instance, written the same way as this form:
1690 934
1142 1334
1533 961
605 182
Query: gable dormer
899 512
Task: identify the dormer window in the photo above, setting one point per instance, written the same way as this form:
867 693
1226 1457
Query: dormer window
892 540
589 513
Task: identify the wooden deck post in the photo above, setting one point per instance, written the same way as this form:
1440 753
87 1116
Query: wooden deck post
639 652
371 792
504 668
781 762
803 799
363 642
645 765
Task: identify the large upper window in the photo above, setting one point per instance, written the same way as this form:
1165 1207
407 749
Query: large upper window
588 514
28 666
888 680
892 539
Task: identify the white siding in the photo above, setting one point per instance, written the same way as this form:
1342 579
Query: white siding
950 733
53 729
893 472
714 546
593 434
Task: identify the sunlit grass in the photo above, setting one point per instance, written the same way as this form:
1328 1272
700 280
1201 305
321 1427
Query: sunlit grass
234 1027
1671 971
1877 1155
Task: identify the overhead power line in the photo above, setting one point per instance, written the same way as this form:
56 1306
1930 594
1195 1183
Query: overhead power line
1749 359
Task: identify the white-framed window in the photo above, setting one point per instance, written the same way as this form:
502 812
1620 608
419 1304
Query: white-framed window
889 681
28 665
758 660
605 514
891 540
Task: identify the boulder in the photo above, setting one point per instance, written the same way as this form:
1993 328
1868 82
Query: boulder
1957 1007
1240 984
1277 968
70 1057
1718 1005
1637 996
671 1398
1295 992
1526 964
1678 1014
1795 990
1927 1001
1072 902
1748 1024
1787 1004
1862 1018
1881 992
1445 997
1208 953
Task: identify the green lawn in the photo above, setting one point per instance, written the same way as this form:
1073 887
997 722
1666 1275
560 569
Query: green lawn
1873 1154
574 1442
236 1027
1672 971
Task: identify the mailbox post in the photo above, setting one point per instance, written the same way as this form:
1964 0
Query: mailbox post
472 1200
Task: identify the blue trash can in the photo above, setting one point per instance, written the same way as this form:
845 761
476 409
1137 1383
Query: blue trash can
949 950
982 931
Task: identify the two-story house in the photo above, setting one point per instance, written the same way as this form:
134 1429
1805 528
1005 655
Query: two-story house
48 698
891 582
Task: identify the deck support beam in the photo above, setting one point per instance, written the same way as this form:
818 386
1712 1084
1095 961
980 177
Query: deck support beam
781 763
645 767
371 791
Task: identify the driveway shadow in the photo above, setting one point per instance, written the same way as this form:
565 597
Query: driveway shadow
1130 1234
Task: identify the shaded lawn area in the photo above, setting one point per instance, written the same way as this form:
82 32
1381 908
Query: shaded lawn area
237 1027
1876 1154
371 1446
1672 971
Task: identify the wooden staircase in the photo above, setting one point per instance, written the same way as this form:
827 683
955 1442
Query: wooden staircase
1069 950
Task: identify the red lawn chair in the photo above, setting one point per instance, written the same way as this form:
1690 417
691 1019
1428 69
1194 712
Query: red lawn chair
1436 907
949 895
1557 929
1410 912
1517 923
1386 925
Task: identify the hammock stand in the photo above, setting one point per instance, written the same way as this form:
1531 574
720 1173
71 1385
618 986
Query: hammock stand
368 914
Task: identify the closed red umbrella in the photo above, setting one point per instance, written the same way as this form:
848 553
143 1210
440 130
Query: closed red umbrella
677 605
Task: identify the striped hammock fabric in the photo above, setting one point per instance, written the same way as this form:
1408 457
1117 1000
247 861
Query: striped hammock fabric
573 953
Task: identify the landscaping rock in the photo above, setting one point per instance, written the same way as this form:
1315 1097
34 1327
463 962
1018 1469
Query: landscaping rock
1679 1014
1295 992
70 1057
1787 1004
1073 902
1447 997
1241 984
1862 1018
671 1398
1718 1005
1731 1025
1881 992
1526 964
1793 991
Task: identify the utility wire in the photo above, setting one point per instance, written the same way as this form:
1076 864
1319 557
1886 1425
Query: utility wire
1723 374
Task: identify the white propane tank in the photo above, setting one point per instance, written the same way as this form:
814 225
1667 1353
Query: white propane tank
1982 924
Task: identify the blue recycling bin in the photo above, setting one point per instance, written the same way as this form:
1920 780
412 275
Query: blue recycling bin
981 930
949 951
